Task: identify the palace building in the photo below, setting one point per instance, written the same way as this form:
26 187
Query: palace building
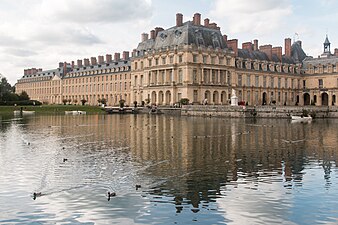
197 62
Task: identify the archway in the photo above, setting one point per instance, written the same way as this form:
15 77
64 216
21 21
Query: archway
167 98
207 96
215 97
160 98
325 99
333 99
264 100
306 99
223 97
153 97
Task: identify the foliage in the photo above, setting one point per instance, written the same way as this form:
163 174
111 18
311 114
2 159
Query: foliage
23 96
184 101
64 101
21 103
122 101
83 101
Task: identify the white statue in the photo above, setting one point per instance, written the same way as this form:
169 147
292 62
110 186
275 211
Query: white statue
233 92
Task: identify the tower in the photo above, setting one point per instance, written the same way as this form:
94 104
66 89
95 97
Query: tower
327 46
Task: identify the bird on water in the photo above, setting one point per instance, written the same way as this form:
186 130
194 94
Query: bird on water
111 194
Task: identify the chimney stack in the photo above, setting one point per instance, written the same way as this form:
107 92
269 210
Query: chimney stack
287 47
206 22
125 55
64 68
233 44
158 30
213 25
60 64
86 62
133 54
336 52
79 63
93 61
197 19
73 64
278 52
247 46
101 59
267 49
116 57
40 70
225 38
179 19
152 34
144 37
255 45
108 58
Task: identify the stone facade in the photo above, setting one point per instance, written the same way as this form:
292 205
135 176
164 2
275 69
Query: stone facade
197 62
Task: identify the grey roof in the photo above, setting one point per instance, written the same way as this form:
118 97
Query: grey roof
187 34
45 73
319 61
297 55
327 41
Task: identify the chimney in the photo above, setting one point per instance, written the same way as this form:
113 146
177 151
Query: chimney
267 49
144 37
179 19
40 70
213 25
233 44
206 22
255 45
134 53
79 63
93 61
116 57
157 30
64 68
336 52
86 62
247 46
60 64
197 19
278 52
73 64
225 38
125 55
152 34
25 72
108 58
100 59
287 47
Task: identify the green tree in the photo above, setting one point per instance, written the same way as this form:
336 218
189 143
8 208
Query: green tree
23 96
6 89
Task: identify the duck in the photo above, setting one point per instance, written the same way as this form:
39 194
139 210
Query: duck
64 159
36 194
137 186
111 194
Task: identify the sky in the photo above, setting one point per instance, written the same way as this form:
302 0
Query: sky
42 33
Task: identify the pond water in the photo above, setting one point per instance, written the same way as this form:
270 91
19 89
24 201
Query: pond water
191 170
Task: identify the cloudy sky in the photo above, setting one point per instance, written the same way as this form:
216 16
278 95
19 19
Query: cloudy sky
41 33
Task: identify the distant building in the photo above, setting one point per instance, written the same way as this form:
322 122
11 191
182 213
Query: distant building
194 61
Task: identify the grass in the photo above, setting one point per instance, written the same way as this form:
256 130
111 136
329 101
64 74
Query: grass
53 109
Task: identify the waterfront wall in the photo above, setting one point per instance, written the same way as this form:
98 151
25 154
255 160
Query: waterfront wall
258 111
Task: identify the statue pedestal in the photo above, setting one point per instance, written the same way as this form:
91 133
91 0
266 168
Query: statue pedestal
234 101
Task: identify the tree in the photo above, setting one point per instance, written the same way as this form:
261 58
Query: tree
122 101
5 89
64 101
83 101
23 96
184 101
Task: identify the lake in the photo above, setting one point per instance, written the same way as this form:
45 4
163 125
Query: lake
191 170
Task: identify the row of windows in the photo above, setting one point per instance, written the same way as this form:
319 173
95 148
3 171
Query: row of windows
103 71
281 82
99 78
122 86
266 67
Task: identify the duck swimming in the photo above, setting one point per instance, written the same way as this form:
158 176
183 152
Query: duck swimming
111 194
137 186
36 194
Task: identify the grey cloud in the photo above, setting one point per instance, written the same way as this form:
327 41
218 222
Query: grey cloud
20 52
103 11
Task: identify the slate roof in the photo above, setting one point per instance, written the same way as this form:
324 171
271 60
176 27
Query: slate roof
319 61
187 34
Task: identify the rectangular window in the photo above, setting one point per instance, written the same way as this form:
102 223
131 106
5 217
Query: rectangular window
194 76
171 59
272 82
141 80
228 77
164 61
180 76
239 80
179 96
204 59
213 60
320 83
248 78
279 82
195 96
221 60
286 83
180 58
264 81
194 58
304 83
257 81
149 62
156 62
170 76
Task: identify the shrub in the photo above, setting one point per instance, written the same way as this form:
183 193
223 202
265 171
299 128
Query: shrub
184 101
